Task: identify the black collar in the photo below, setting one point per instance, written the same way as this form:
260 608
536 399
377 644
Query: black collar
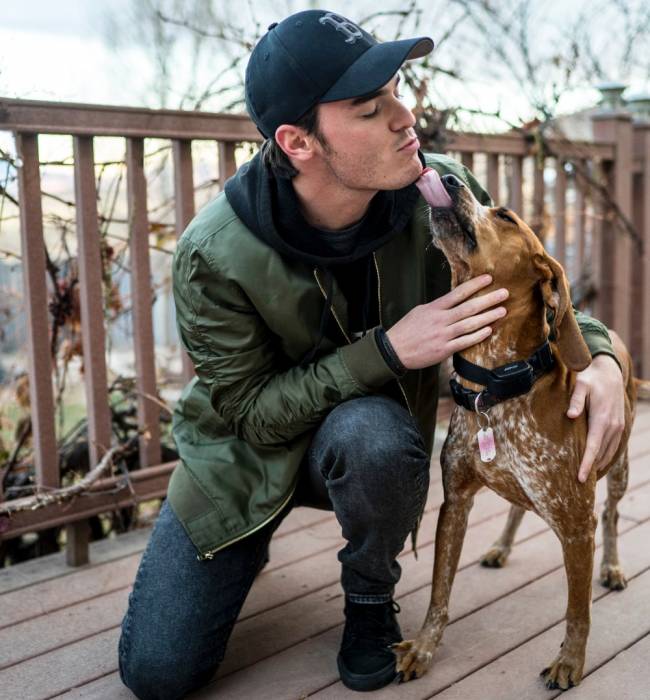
504 382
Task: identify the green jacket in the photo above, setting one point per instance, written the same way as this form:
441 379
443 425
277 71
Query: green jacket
246 317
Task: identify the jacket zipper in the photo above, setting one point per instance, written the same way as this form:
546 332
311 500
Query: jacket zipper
414 532
336 316
211 552
381 322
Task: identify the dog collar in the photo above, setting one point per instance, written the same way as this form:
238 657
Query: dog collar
502 383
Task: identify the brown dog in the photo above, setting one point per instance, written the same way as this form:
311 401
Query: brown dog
537 448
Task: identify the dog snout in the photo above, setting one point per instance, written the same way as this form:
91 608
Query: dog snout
451 183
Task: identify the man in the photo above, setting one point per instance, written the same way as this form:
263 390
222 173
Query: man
316 314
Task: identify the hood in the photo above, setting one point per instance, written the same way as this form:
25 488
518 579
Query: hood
270 209
262 201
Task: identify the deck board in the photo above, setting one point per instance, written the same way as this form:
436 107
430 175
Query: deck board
59 626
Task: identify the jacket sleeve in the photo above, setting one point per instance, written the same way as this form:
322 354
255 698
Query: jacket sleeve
477 190
595 335
261 396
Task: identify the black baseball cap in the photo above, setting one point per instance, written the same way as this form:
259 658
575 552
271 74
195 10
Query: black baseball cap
318 56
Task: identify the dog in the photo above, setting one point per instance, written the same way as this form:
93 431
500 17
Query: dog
528 450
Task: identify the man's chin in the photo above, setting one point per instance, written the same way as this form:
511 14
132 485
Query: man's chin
406 175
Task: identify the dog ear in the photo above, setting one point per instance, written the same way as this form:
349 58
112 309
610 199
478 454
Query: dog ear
555 292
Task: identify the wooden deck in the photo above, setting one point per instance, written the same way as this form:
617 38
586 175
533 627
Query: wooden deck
59 627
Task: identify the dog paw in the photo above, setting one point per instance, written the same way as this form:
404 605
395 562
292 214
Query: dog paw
564 673
411 661
613 578
495 558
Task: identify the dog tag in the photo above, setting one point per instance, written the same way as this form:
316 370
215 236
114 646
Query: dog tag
486 444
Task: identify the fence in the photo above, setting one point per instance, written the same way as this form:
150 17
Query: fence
583 229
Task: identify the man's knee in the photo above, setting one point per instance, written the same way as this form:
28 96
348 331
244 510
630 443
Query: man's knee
156 674
374 434
372 424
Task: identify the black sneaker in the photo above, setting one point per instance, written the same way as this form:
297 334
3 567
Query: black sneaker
366 660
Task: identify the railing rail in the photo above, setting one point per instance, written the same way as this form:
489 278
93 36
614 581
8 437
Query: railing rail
568 208
36 117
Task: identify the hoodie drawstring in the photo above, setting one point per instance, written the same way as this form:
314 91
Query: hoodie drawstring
365 307
324 317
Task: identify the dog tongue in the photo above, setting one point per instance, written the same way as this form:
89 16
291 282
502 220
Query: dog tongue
432 189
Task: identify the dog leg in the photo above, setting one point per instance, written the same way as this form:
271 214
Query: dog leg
497 555
414 656
566 669
611 575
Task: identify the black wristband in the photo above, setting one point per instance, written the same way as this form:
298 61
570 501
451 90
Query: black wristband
388 352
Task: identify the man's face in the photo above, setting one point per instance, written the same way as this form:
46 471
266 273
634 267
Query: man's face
370 141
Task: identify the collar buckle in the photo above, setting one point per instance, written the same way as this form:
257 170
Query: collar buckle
511 380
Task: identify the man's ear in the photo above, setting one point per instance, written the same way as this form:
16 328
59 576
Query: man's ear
555 292
294 141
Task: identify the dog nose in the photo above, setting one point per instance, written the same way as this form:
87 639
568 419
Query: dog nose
452 182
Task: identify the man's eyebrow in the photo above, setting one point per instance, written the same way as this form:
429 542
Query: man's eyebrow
371 95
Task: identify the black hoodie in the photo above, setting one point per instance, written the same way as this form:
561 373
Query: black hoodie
270 209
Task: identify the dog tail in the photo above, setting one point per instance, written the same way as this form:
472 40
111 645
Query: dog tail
642 389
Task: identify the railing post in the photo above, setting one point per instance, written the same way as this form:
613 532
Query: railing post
46 461
227 164
642 223
142 293
493 178
600 258
515 185
559 249
616 127
184 198
537 223
467 159
580 216
92 327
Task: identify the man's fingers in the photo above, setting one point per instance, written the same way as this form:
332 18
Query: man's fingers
592 448
605 451
474 306
468 325
611 441
577 403
463 291
466 341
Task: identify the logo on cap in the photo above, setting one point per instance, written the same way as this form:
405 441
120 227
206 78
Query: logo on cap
351 31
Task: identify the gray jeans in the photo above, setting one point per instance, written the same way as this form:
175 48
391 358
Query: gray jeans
367 462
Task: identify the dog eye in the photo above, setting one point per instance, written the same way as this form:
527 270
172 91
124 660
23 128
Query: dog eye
503 214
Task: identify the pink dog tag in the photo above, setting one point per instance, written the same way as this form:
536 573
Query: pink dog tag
486 444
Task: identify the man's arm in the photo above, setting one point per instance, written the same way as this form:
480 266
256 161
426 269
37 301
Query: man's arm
259 397
595 335
599 388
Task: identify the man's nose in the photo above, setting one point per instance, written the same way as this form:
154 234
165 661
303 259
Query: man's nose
404 119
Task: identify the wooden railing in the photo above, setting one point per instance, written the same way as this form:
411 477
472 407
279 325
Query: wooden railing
621 274
83 122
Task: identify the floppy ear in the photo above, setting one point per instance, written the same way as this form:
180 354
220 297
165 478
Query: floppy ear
555 292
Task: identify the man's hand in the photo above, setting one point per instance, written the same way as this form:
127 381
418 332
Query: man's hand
430 333
600 389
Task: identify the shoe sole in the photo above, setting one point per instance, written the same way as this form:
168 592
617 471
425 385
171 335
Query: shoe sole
371 681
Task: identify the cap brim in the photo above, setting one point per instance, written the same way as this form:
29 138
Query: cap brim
376 67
